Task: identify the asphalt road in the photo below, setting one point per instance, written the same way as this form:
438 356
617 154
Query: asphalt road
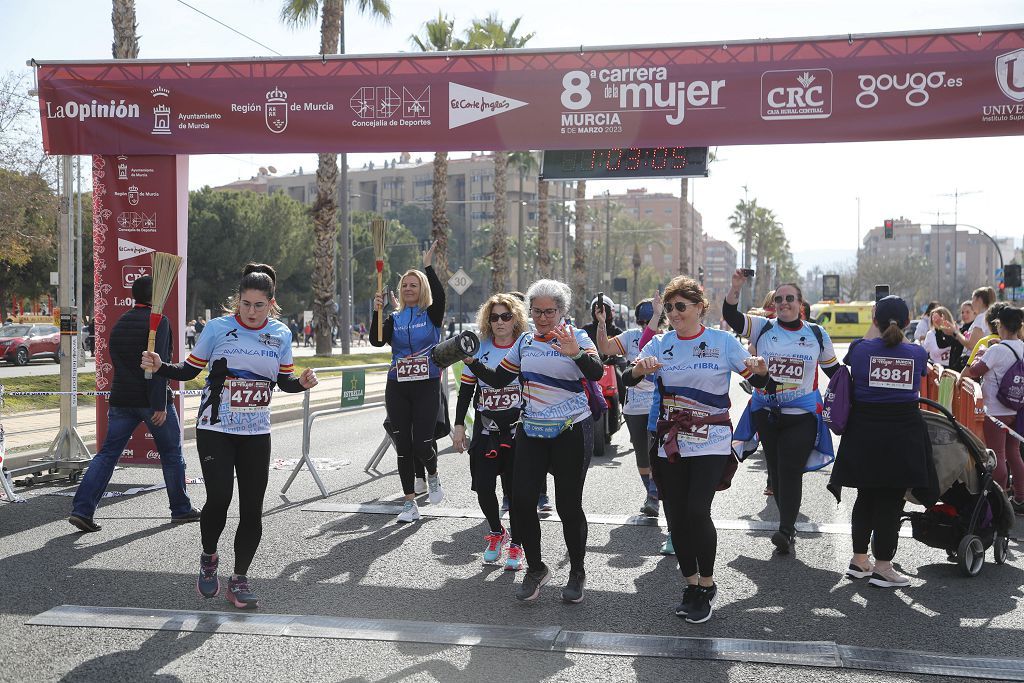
364 565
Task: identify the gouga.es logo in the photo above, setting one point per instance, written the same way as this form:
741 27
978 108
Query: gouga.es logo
916 86
796 94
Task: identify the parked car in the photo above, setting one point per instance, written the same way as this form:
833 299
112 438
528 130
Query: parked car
21 343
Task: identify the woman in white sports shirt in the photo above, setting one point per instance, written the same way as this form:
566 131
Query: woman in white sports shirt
247 352
691 366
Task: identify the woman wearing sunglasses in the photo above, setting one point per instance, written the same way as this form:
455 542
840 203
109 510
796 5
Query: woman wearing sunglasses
785 412
556 432
501 321
691 367
412 394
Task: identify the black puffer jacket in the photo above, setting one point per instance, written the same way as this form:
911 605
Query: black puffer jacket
128 340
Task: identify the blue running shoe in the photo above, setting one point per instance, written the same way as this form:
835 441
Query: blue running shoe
495 544
667 547
240 595
544 504
208 584
514 561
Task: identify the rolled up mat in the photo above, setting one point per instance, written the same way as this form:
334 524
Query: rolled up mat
459 347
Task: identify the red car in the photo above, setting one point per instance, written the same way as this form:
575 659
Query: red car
20 343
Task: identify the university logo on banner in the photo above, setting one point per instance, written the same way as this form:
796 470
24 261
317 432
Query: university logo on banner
1010 74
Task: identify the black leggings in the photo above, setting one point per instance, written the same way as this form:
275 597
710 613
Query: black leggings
486 466
412 413
567 458
687 487
878 511
223 457
787 441
640 438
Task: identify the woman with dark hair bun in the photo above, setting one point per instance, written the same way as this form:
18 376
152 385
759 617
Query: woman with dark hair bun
885 448
248 352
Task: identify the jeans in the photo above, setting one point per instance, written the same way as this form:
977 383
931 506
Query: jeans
121 422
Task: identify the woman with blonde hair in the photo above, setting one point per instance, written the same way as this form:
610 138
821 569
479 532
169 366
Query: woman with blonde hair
501 320
412 394
937 340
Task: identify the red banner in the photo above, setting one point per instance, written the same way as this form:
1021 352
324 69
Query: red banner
140 205
960 83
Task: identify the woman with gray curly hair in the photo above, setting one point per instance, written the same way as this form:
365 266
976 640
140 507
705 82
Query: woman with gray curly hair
556 430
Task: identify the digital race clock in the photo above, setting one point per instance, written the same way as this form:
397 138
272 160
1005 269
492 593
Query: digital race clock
624 162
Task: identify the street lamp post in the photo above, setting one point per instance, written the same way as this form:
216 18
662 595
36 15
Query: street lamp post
999 252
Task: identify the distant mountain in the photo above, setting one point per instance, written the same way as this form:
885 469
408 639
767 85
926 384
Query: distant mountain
810 258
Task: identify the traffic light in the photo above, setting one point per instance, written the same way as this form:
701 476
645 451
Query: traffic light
700 274
1011 275
1002 287
888 229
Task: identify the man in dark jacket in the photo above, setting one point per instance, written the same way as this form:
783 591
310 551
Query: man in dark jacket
135 399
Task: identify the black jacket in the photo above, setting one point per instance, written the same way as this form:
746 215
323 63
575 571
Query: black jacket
128 340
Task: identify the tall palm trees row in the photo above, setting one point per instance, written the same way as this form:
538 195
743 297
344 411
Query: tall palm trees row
764 240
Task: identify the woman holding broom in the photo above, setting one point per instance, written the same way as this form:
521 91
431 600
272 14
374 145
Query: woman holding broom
247 352
412 395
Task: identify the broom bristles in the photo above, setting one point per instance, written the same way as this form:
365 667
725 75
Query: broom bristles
165 270
379 227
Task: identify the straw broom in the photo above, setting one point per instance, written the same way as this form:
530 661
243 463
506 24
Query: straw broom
379 227
165 270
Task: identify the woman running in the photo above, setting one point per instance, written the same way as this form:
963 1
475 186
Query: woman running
885 448
785 412
992 367
247 352
412 394
691 367
501 321
556 433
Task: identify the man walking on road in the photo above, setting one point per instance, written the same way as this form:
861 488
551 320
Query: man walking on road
135 399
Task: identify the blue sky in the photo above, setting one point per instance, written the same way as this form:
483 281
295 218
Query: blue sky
812 188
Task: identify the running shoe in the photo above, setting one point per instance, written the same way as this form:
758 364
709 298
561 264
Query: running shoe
689 594
573 591
505 504
515 557
421 486
544 504
529 589
703 599
436 492
240 594
208 584
84 523
192 515
496 542
650 507
410 512
888 578
854 571
667 548
1018 506
783 542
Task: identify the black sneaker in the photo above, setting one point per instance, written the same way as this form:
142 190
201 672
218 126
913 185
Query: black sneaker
573 591
689 593
529 589
783 542
192 515
703 599
1018 506
84 523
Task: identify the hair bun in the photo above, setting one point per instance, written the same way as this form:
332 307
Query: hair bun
260 268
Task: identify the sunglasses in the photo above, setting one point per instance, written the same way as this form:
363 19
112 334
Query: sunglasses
679 305
495 317
546 312
789 298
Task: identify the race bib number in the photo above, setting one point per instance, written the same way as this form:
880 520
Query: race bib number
412 369
786 370
697 433
248 395
891 373
505 398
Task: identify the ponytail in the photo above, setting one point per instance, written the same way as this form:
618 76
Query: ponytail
893 334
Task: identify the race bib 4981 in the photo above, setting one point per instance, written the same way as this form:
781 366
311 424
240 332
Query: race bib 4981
891 373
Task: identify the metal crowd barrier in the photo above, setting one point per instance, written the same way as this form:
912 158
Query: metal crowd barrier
309 416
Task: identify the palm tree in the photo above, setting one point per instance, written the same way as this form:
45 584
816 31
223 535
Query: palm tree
299 13
439 36
742 223
492 34
543 249
525 163
579 261
769 242
126 40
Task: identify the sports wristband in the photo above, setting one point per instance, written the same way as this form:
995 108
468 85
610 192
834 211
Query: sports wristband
579 354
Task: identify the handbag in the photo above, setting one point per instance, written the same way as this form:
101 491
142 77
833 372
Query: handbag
837 401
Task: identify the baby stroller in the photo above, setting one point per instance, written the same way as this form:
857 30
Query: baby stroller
973 513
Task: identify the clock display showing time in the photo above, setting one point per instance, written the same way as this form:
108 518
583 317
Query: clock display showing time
625 162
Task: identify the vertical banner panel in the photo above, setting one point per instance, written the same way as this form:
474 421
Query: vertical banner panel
140 205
